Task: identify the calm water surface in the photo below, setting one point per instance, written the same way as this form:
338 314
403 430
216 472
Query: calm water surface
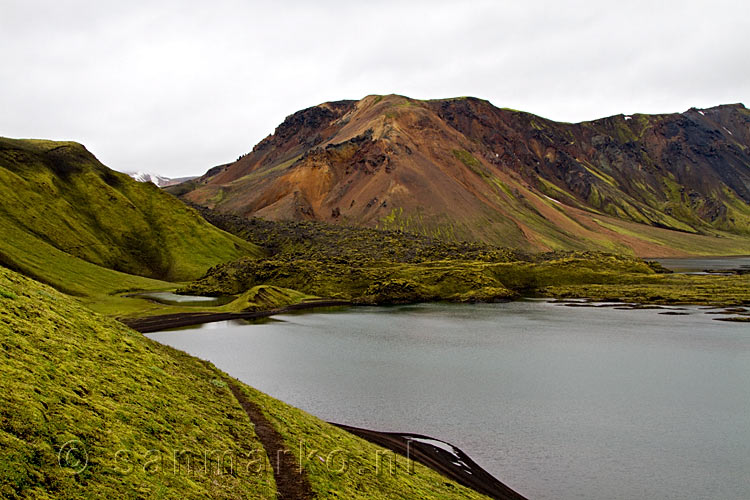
184 300
558 402
699 264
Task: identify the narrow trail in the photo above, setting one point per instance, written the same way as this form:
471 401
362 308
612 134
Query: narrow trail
291 481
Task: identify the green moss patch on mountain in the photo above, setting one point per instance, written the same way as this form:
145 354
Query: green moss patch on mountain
58 194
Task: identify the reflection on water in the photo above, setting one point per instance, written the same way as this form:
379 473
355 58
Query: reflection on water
184 300
558 402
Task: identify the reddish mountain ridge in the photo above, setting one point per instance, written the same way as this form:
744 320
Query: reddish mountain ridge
463 169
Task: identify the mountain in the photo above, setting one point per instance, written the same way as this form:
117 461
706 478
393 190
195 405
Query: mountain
464 169
69 221
157 179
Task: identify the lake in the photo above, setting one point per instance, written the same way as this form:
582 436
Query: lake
171 298
700 264
557 402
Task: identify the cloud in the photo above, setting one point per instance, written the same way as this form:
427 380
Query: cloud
177 87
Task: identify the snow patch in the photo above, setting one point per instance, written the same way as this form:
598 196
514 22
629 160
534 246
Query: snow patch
701 112
159 180
142 176
552 199
628 117
730 132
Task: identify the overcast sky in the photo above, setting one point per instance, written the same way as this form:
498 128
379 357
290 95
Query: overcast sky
177 87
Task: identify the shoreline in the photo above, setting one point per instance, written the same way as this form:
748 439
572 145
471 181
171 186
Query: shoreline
151 324
455 465
442 457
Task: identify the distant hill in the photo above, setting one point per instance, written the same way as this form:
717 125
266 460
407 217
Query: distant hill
463 169
157 179
61 209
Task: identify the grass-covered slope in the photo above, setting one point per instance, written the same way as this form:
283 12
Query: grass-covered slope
125 403
341 465
57 195
96 286
91 409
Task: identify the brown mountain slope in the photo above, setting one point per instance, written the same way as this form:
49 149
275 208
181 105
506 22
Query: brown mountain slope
464 169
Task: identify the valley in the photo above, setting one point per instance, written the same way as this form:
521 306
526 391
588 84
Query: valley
90 258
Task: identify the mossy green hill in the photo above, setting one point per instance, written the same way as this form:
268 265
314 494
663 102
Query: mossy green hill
59 202
92 409
373 266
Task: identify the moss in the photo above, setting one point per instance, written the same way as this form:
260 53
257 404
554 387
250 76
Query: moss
57 194
383 282
91 409
396 291
607 179
341 465
662 289
264 298
467 159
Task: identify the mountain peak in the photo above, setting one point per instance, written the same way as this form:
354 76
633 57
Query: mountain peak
461 168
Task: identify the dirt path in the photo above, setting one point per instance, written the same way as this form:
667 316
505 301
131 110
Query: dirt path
291 481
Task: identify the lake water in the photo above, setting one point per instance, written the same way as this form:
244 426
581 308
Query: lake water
557 402
184 300
699 264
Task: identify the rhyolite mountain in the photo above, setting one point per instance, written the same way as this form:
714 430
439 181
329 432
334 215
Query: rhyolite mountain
464 169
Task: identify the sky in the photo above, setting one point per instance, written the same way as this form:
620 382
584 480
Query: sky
176 87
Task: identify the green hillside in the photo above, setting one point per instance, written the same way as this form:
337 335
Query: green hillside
58 196
91 409
373 266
